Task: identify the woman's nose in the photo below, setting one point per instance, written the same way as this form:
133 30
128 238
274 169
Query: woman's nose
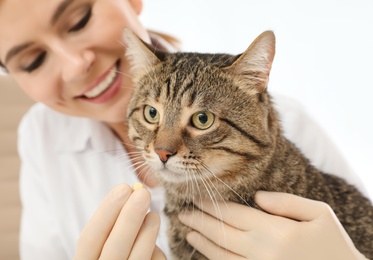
75 63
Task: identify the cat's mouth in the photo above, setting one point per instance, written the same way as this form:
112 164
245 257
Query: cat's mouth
181 172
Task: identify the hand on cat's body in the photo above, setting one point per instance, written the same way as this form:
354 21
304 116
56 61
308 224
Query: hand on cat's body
121 228
296 228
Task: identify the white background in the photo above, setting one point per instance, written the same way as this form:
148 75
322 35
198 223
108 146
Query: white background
324 56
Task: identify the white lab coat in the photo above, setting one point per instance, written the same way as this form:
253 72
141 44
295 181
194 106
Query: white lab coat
69 164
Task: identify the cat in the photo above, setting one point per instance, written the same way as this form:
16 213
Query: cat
207 128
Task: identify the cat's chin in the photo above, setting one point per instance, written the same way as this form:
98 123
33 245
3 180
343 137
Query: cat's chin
166 175
179 177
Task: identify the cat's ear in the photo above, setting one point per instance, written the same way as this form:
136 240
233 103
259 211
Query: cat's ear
252 68
141 55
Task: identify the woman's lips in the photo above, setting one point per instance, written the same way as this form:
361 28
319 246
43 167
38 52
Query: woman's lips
107 86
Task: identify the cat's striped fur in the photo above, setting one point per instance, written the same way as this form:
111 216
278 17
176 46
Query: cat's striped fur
242 151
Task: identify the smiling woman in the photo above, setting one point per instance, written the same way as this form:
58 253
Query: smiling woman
67 65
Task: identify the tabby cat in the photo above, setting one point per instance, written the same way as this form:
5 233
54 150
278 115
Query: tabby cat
206 126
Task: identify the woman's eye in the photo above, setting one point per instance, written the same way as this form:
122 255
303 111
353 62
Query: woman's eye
151 115
202 120
36 63
83 22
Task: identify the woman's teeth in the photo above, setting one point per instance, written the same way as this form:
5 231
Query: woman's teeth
102 86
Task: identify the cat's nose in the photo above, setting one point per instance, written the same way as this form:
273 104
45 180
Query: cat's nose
164 154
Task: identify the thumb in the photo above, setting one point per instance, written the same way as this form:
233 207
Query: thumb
291 206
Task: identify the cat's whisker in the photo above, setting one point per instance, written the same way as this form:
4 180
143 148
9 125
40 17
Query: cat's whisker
208 189
122 43
129 168
109 151
135 157
127 87
145 171
189 189
217 178
194 179
198 190
255 212
209 185
229 187
190 186
217 191
195 184
135 153
140 165
117 154
123 73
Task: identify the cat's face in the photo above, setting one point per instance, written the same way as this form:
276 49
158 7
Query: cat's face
192 119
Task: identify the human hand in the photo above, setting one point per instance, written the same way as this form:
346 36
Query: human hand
295 228
121 228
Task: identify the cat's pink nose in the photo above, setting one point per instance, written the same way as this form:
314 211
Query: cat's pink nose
164 154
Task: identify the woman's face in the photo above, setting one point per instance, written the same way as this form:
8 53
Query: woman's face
69 55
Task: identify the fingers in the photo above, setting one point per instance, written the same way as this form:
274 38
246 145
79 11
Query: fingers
234 214
291 206
215 230
97 230
236 228
121 228
210 249
146 238
125 230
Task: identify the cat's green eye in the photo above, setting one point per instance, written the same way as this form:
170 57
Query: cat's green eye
203 120
151 115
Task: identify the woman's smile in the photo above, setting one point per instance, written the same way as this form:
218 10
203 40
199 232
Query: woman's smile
106 86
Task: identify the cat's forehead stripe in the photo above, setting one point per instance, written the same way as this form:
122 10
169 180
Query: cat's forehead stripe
177 83
183 79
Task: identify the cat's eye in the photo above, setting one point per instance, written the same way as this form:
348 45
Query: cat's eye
151 115
203 120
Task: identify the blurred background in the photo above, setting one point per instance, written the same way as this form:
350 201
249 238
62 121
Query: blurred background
324 56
